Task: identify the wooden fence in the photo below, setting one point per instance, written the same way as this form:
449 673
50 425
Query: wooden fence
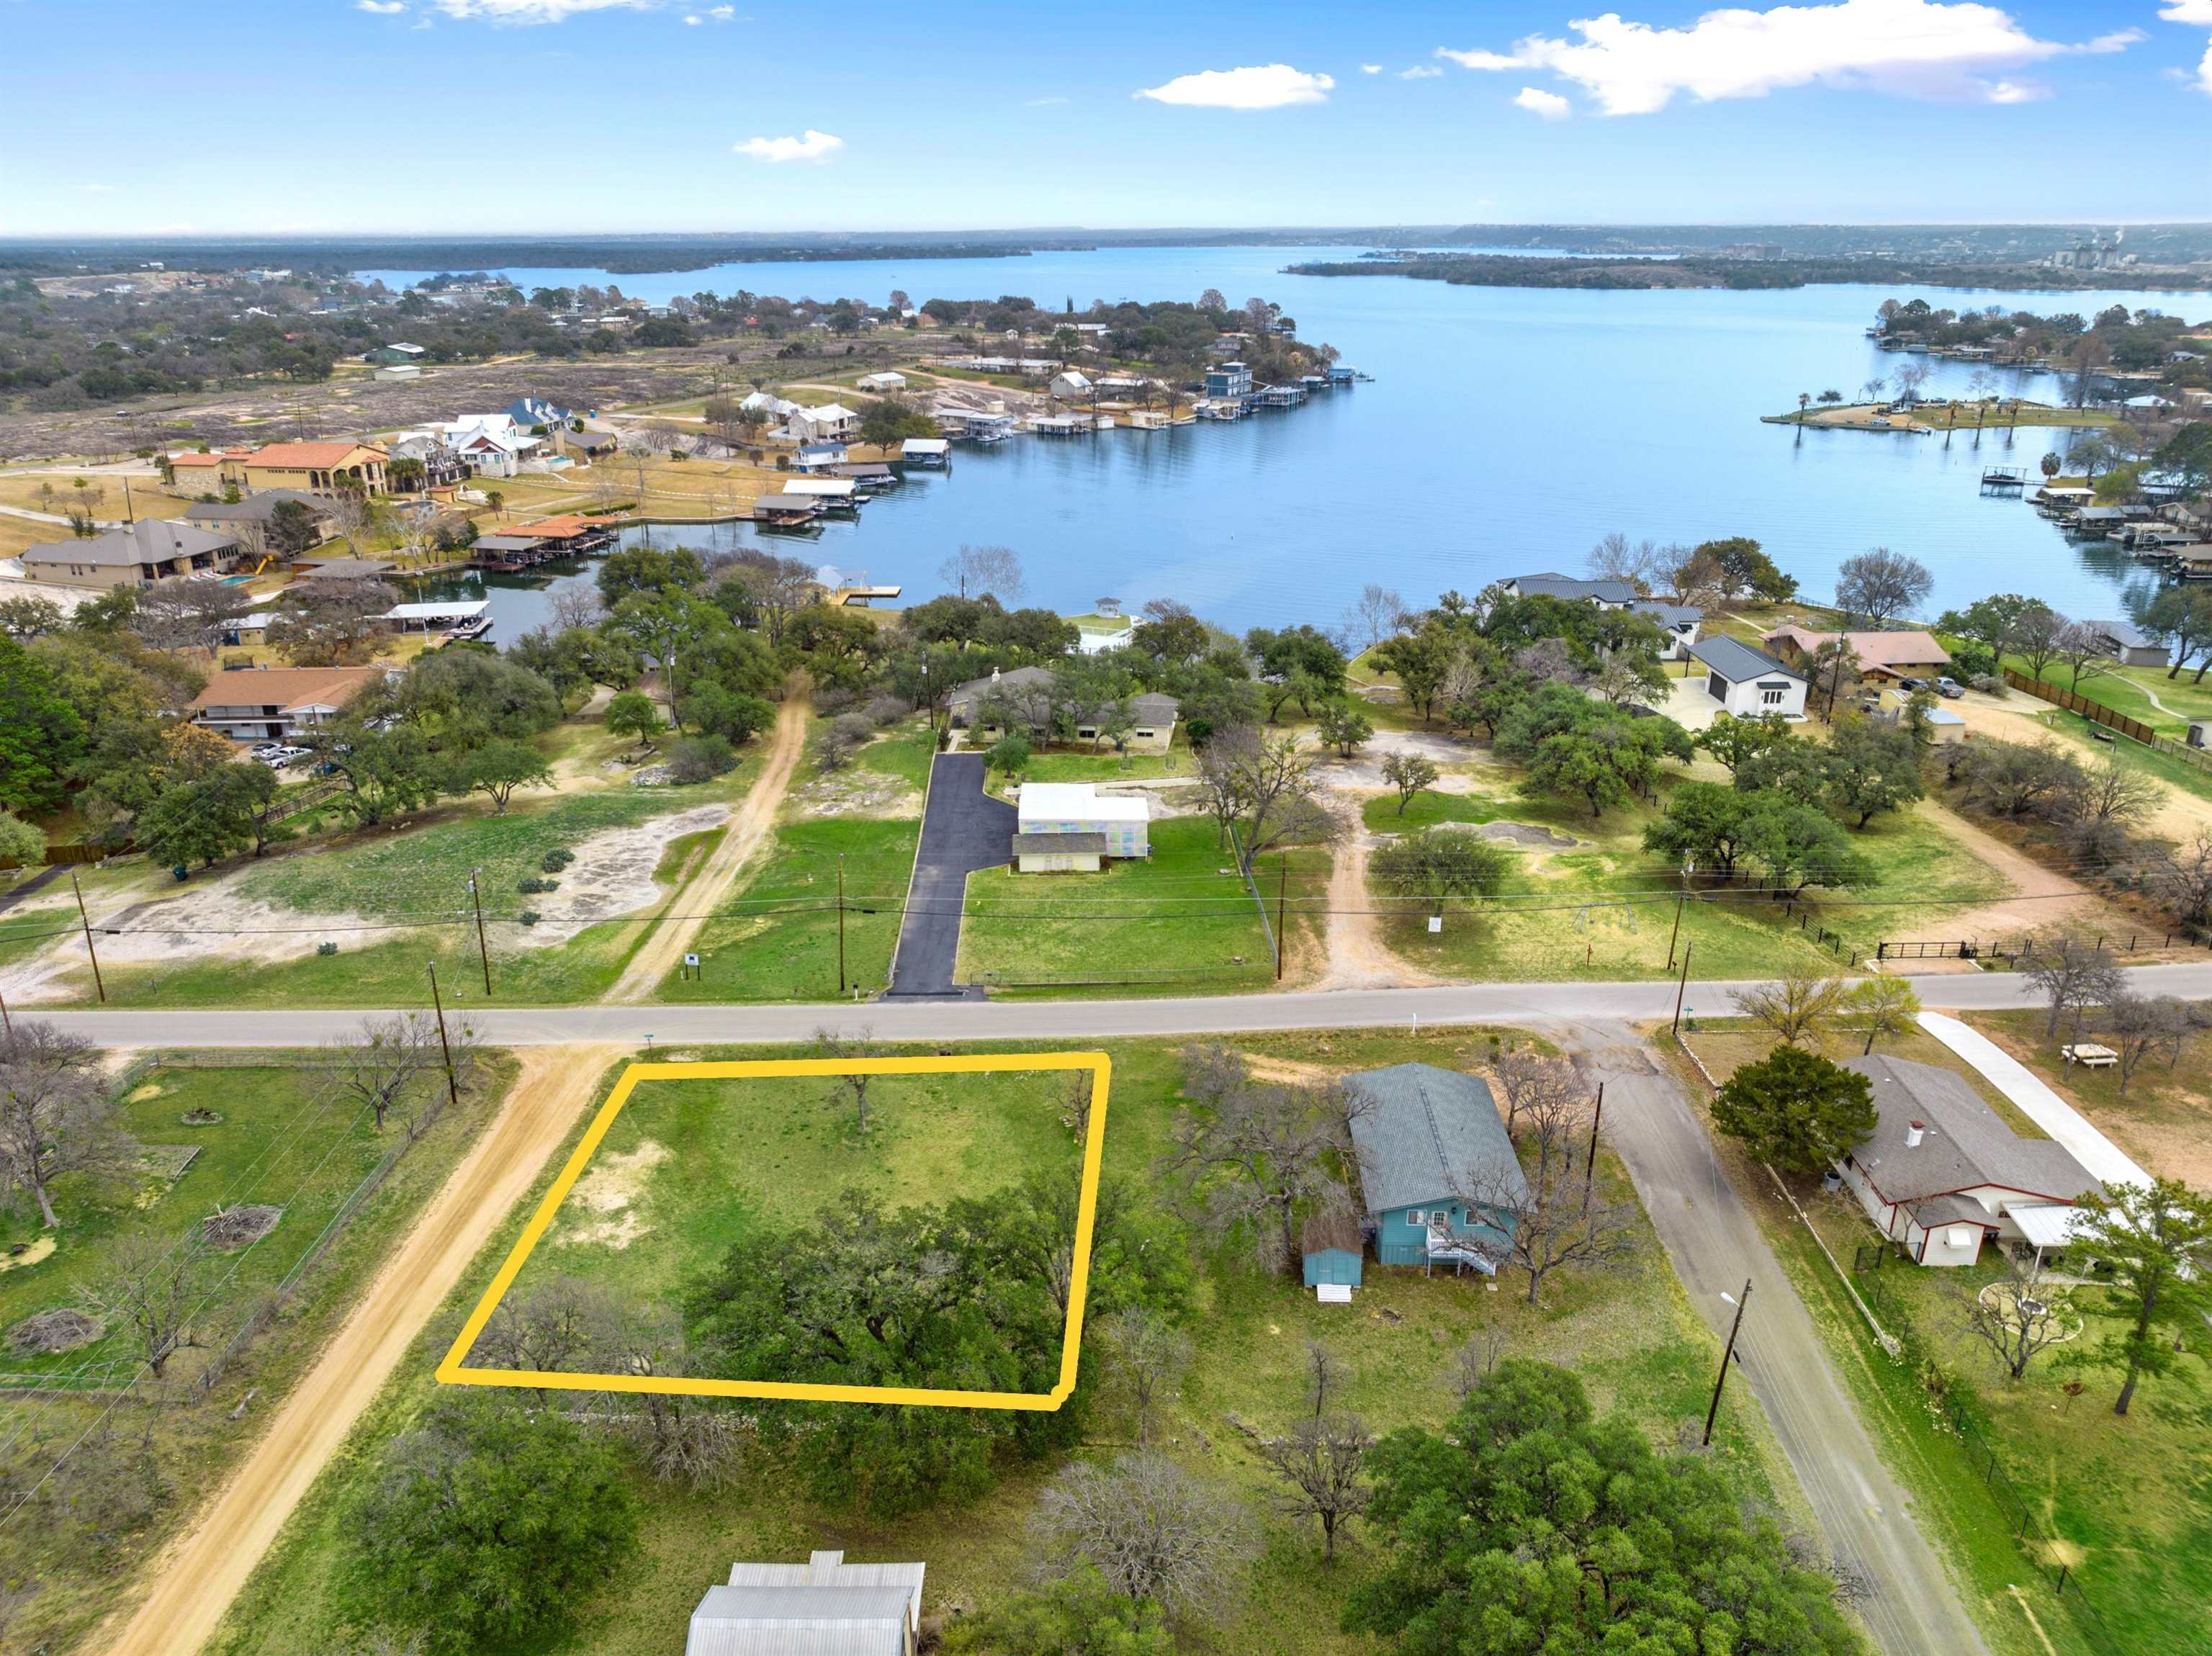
2097 712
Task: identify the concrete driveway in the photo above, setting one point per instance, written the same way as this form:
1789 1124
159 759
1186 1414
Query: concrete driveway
963 829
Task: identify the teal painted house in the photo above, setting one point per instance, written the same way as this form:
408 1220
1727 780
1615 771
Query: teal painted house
1441 1181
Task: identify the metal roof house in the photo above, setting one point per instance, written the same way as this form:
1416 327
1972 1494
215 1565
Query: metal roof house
1678 625
2127 643
1941 1172
1747 682
1437 1169
1606 594
824 1607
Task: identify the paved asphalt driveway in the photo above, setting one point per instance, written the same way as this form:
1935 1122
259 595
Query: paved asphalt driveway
963 830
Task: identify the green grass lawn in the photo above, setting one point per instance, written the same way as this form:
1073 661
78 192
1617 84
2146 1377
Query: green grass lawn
2129 690
1175 917
690 1167
1604 909
1077 765
1631 1333
284 1140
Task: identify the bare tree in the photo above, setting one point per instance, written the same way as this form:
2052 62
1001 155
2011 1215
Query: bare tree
1075 1104
695 1441
399 1064
974 571
563 1324
1474 1360
1378 613
2073 971
1881 585
1552 1216
56 1115
850 1085
1806 1000
1149 1528
189 615
1266 788
2138 1025
2014 1316
1640 563
153 1290
1256 1157
1146 1358
2183 878
1321 1458
576 606
2081 647
1535 1083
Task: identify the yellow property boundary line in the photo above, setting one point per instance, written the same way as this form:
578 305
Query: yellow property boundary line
454 1371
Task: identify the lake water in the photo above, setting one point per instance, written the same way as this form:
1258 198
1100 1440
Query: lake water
1505 431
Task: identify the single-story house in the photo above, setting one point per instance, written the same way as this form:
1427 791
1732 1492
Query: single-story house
589 444
887 381
132 554
1749 682
824 1607
269 704
249 519
1333 1250
1941 1172
816 457
1074 820
1678 625
1152 716
2130 645
831 422
396 372
399 353
348 569
196 475
1880 655
1436 1168
1607 594
1070 386
768 406
318 468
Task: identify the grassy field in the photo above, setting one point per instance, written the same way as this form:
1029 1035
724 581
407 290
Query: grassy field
1182 916
1605 908
1631 1333
2165 1118
2130 690
284 1139
2124 1497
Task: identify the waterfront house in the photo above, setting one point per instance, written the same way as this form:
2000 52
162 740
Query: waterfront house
976 425
1678 625
272 704
1436 1169
818 456
318 468
1749 682
2129 644
787 511
1062 827
824 1607
1071 385
883 383
1941 1173
1879 655
442 468
249 519
1025 694
831 422
132 555
1229 382
1606 594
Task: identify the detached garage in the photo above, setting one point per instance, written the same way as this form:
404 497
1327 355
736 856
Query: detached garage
1747 682
1061 811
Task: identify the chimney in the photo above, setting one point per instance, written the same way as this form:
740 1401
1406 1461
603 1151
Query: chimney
1913 1134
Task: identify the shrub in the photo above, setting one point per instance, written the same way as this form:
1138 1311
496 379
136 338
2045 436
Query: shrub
1989 684
886 709
700 758
530 917
531 884
327 948
557 860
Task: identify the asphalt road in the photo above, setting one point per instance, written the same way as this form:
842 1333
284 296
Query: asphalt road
963 829
1912 1608
897 1020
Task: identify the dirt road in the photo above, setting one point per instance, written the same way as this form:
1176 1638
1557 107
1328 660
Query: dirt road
750 825
204 1569
1358 956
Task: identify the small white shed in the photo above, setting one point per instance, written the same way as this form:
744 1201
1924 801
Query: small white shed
1121 823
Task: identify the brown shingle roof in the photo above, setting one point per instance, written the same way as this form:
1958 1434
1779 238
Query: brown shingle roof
287 687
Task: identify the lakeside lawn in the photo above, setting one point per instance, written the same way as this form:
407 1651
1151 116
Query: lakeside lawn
1630 1334
2134 691
1568 913
1180 918
285 1138
2124 1496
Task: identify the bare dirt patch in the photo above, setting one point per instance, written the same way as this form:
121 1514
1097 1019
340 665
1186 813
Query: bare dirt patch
609 1192
231 1228
32 1253
1357 957
213 919
613 874
858 793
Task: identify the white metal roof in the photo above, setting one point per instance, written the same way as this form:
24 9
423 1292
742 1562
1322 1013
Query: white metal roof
837 487
926 445
464 609
1077 802
2043 1225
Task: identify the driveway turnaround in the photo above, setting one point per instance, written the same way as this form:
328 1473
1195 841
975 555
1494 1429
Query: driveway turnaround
2037 1101
963 829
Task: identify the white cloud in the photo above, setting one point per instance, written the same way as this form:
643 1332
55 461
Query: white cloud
1263 85
2198 13
1923 47
98 189
721 13
693 20
1549 105
2118 40
1370 68
1043 103
811 147
1419 72
2015 92
535 12
381 8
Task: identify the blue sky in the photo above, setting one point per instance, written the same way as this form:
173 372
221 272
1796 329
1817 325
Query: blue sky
433 116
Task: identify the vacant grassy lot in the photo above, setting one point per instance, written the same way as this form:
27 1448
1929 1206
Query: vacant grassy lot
690 1167
2138 692
1604 908
2125 1496
2164 1120
1182 916
284 1139
1631 1333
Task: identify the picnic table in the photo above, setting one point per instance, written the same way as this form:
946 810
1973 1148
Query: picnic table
2089 1055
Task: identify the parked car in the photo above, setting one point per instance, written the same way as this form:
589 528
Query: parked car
1909 685
282 757
1949 689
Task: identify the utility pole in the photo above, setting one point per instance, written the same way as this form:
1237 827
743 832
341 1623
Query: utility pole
1682 988
7 1023
1282 882
85 921
483 949
1727 1358
453 1086
1597 1119
1688 863
840 923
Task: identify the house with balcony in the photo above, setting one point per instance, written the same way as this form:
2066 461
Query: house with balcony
1438 1177
132 555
